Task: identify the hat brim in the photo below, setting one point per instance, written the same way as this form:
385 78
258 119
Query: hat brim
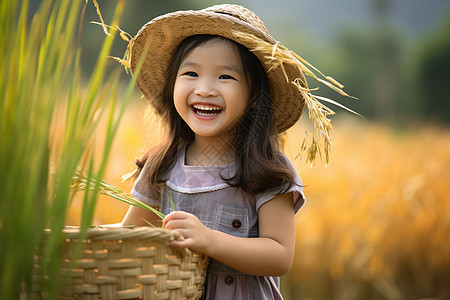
161 36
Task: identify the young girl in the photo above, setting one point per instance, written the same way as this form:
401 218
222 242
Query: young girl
224 106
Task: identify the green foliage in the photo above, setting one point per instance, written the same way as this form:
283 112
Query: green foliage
40 78
368 62
433 78
395 83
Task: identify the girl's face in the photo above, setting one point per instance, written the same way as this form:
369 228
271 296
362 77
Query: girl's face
210 91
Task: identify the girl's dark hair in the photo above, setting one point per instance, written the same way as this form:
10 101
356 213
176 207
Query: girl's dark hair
260 167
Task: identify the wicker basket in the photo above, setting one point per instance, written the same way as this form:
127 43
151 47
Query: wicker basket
121 263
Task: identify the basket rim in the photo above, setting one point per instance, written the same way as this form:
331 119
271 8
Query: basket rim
122 233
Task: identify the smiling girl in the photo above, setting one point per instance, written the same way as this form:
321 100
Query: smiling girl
236 194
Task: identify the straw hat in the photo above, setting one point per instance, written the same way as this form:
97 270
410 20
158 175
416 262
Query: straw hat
162 35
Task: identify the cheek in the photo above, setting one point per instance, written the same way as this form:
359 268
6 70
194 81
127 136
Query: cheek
177 94
238 107
243 99
179 99
178 107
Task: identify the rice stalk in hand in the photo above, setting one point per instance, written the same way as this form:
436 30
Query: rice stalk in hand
82 183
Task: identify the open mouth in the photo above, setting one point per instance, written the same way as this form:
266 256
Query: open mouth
206 110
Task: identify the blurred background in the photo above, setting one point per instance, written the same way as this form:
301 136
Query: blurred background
377 220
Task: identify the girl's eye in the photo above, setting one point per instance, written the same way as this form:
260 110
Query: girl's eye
226 77
191 74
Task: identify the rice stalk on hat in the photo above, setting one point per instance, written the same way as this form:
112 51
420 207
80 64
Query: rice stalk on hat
157 41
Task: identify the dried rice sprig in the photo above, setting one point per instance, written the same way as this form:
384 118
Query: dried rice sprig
318 114
125 60
80 183
123 34
100 16
277 57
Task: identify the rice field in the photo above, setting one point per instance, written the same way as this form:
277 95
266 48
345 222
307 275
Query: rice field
377 219
377 222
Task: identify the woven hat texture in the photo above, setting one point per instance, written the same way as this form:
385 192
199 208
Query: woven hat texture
160 38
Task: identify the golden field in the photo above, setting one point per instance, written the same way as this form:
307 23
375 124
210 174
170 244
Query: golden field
377 221
376 224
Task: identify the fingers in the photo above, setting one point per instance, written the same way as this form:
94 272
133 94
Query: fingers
181 244
190 227
175 224
175 215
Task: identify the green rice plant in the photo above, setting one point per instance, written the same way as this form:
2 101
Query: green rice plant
39 74
80 183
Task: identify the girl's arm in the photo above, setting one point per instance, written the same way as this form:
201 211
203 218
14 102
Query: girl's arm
270 254
137 216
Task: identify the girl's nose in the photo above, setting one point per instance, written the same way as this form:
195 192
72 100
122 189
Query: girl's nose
205 88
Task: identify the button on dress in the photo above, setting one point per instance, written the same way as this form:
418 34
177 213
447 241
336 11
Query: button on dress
200 190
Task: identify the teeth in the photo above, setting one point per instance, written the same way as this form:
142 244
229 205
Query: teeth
206 107
200 113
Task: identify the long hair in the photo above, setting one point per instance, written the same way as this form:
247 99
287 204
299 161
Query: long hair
260 167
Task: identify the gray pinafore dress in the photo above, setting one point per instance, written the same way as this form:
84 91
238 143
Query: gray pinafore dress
201 191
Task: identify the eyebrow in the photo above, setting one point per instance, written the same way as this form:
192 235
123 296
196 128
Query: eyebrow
230 67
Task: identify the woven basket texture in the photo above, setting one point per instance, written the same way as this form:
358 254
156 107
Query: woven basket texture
121 263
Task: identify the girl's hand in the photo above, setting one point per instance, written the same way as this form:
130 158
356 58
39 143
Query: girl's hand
270 254
196 235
